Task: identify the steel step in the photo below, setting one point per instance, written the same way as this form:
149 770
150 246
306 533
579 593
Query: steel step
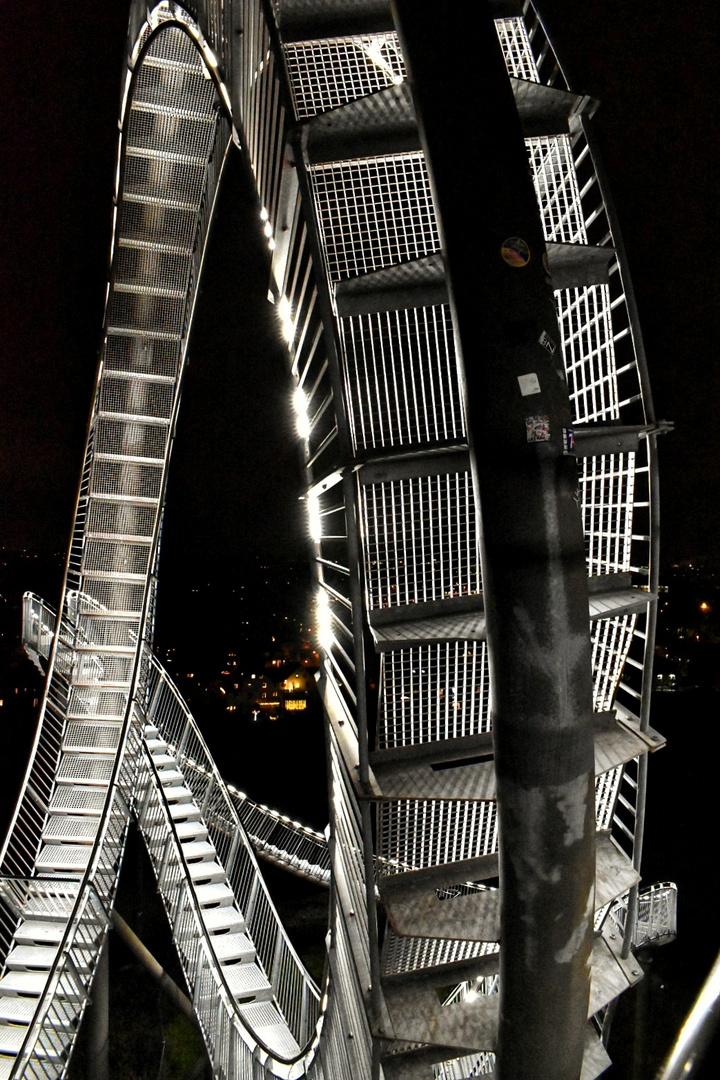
206 872
199 850
67 828
221 920
236 948
59 858
247 982
263 1018
215 893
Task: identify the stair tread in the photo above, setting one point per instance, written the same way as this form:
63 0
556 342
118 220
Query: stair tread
223 918
247 980
23 957
207 871
237 947
33 931
214 893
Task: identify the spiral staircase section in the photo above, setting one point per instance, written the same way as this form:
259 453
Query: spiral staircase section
317 97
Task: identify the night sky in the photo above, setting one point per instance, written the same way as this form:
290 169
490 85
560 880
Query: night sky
236 476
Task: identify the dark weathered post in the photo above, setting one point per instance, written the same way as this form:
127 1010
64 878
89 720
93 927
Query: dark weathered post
533 554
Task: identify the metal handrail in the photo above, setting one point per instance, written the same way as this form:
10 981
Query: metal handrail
295 846
170 716
697 1032
297 998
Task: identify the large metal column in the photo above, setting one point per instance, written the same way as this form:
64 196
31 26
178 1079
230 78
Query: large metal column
533 557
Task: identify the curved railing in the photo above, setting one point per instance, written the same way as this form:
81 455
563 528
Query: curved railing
342 221
228 1026
289 843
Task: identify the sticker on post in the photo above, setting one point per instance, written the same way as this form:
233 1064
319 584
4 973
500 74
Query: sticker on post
537 428
515 251
568 440
547 343
529 384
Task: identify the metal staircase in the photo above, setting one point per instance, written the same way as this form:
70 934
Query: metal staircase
318 99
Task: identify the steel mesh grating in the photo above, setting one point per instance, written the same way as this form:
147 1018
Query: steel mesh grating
585 322
607 490
414 833
127 438
169 131
159 83
151 174
145 311
155 222
152 269
401 377
102 737
120 518
112 595
517 53
85 702
326 74
611 640
420 539
556 188
131 353
606 790
433 692
118 556
121 478
405 954
105 633
99 667
130 396
374 212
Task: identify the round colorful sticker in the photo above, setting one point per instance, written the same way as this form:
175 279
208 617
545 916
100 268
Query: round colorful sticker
515 251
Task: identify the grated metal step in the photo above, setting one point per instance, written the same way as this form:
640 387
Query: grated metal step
235 948
247 982
219 920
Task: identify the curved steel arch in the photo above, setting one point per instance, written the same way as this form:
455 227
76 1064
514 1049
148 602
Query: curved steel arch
382 409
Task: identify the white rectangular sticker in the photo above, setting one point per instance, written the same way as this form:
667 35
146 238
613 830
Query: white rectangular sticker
529 384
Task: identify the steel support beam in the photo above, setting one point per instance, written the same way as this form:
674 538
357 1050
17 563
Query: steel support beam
533 557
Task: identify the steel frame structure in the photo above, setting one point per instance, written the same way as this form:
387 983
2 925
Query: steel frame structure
317 97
